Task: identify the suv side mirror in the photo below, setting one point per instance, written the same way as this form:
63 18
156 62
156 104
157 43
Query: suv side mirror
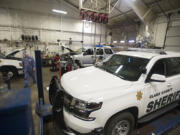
143 70
157 78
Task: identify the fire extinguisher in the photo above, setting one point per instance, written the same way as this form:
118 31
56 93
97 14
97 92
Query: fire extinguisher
68 68
94 17
88 17
105 19
100 18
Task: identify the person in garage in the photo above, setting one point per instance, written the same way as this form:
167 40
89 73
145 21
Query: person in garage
29 69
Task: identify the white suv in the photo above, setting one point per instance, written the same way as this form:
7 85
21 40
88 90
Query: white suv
130 87
11 64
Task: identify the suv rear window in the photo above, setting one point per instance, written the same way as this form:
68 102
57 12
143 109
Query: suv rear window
173 66
99 52
108 51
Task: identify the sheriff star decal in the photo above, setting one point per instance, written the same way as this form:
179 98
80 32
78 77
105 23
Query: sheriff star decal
139 95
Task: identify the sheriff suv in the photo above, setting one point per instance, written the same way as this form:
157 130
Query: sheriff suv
11 64
131 87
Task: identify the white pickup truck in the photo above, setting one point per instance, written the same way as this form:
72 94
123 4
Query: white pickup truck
88 56
11 64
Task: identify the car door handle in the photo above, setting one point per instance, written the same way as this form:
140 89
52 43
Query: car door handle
169 84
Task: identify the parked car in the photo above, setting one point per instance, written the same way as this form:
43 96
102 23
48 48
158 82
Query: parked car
88 56
11 64
130 87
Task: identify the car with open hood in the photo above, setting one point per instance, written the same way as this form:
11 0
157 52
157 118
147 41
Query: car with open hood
10 63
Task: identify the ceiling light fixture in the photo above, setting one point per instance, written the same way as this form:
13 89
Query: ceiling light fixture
131 41
59 11
115 42
122 41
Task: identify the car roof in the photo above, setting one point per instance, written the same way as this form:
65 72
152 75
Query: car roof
138 54
91 47
149 55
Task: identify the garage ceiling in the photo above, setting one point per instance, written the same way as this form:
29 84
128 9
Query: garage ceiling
121 14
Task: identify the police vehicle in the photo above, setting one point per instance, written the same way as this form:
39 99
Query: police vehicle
131 87
11 64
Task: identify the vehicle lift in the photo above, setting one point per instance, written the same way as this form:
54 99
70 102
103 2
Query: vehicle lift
159 126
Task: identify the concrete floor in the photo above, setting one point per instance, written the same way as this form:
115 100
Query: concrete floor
19 83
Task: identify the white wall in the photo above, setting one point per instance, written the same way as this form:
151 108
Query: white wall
125 33
157 29
49 28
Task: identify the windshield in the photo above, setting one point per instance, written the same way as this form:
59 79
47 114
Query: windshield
2 55
125 67
79 51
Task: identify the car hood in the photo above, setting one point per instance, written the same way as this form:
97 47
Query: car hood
14 52
91 82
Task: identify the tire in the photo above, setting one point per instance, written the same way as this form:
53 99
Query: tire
10 70
53 88
122 120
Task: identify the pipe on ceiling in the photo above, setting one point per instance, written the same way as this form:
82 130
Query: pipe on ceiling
141 10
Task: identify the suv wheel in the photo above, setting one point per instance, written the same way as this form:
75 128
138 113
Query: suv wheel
121 124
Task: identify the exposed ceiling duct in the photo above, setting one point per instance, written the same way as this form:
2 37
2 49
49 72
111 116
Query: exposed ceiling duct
142 11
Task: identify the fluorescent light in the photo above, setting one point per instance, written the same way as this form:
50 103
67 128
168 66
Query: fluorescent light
131 41
114 41
122 41
59 11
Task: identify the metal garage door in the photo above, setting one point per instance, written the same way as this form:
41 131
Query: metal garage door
173 34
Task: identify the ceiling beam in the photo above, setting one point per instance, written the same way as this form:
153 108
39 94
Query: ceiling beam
162 10
106 5
131 20
153 2
72 4
127 12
